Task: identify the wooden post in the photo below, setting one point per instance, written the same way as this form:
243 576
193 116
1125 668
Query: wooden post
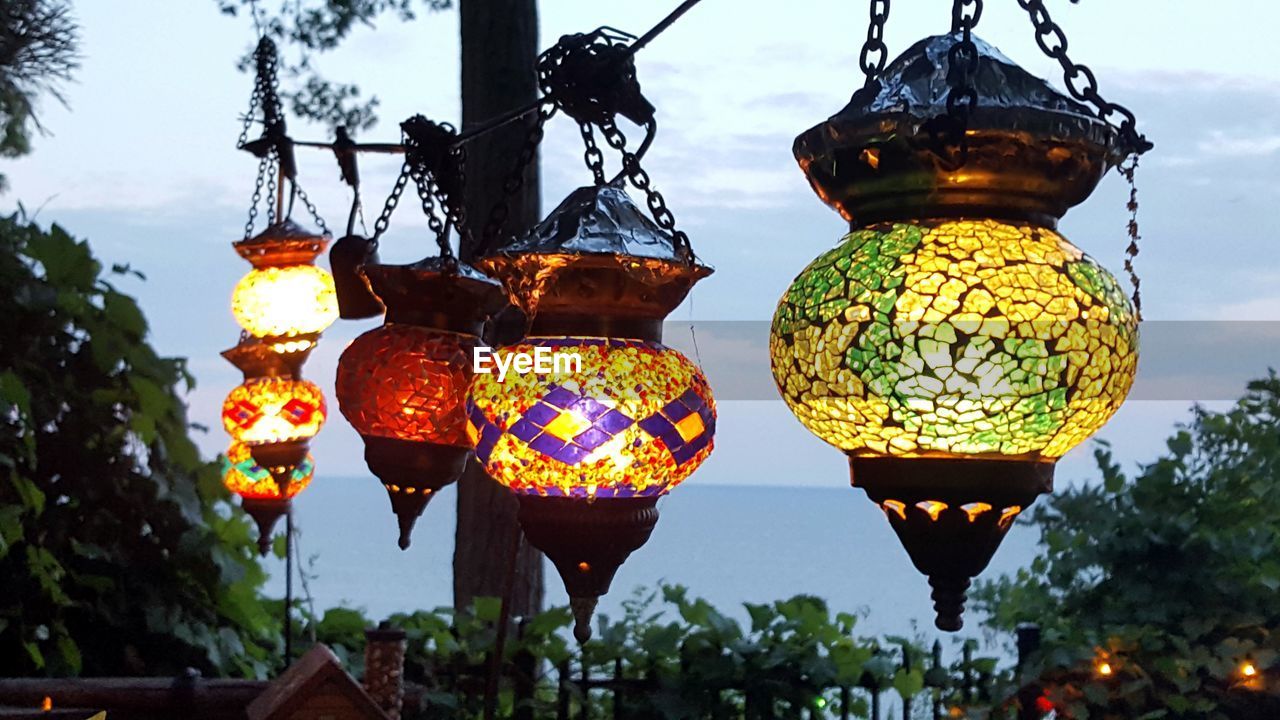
499 49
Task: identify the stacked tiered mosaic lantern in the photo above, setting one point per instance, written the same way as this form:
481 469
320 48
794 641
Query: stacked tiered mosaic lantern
403 386
954 345
589 450
283 304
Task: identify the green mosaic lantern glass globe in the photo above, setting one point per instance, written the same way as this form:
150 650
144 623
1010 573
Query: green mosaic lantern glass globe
954 345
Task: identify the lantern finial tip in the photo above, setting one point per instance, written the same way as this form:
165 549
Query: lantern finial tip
948 601
583 608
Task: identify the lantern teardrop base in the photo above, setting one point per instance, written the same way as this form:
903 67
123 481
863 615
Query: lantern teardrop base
950 514
265 512
583 609
586 540
412 473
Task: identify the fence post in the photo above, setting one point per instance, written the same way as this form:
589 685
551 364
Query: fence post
585 713
1028 693
525 667
906 665
562 696
845 698
619 690
937 670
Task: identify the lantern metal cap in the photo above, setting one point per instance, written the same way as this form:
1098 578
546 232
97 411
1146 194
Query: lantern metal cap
1032 152
282 243
439 293
596 255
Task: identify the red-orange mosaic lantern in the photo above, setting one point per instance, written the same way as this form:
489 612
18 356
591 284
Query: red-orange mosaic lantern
403 385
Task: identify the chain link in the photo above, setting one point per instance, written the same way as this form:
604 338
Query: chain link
1080 80
875 54
593 156
662 215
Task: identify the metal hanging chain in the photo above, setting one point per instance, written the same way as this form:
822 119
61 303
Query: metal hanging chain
594 158
875 54
273 190
501 210
1129 172
427 188
962 65
311 208
384 218
662 215
257 197
1080 80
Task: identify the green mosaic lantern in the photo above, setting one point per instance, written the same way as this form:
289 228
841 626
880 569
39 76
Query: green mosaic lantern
954 345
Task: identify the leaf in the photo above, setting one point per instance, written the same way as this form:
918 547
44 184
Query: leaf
123 312
14 393
488 609
908 682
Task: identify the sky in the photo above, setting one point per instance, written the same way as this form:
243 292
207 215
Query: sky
142 162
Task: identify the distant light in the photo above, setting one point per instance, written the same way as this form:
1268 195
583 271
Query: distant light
47 704
1248 669
1104 669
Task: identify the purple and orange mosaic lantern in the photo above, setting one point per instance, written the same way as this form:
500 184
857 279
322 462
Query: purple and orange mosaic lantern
403 386
618 419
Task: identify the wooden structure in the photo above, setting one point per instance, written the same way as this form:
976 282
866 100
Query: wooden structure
315 688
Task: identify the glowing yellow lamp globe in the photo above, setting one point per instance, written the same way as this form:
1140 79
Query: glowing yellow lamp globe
634 420
954 338
243 476
285 301
273 410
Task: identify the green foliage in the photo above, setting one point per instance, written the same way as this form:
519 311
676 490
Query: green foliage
317 27
38 40
1172 574
119 550
690 660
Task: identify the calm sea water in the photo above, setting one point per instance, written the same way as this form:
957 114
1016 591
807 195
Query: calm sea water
727 544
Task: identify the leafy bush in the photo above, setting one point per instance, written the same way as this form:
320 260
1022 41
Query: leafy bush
1170 577
681 657
119 551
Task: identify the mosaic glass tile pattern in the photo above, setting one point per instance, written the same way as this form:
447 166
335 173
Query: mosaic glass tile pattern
635 420
247 479
285 301
946 338
407 382
267 410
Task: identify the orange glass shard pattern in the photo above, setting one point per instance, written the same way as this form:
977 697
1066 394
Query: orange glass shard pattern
244 477
407 382
273 409
285 301
618 427
954 338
